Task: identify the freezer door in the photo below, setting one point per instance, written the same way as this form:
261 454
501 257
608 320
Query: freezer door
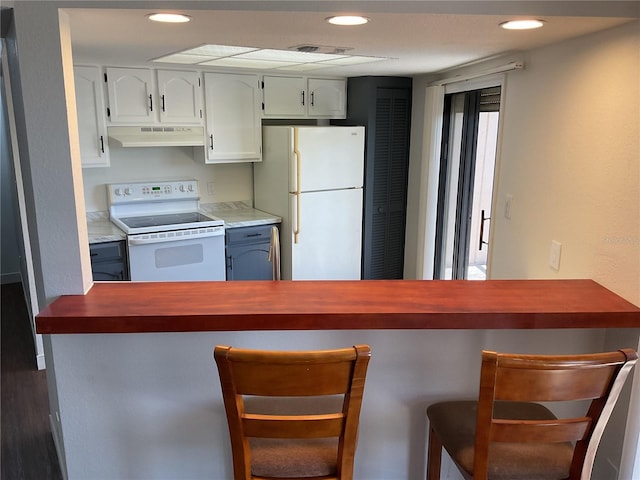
329 235
328 158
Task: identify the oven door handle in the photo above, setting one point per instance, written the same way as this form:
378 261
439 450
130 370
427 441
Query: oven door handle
176 236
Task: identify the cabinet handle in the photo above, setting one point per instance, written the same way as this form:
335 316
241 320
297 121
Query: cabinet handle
163 104
150 103
211 141
102 143
303 97
312 99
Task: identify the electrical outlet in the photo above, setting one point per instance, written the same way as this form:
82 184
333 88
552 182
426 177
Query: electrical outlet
554 256
507 206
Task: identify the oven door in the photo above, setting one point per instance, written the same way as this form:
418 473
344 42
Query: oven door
180 255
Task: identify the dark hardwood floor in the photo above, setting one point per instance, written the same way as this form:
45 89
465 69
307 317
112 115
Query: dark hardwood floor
28 451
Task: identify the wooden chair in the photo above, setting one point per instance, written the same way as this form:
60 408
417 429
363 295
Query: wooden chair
301 444
504 435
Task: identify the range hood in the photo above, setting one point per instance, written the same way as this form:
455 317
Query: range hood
159 136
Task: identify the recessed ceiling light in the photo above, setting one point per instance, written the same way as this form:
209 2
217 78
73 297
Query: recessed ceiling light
347 20
522 24
169 17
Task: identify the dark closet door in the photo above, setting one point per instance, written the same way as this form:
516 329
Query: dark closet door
386 186
383 106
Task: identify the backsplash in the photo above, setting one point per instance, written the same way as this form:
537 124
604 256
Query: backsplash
217 183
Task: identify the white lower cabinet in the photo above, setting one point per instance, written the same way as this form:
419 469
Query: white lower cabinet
92 128
233 121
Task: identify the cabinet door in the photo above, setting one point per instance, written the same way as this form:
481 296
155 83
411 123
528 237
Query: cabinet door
233 118
92 130
179 97
109 261
249 262
327 98
131 95
285 97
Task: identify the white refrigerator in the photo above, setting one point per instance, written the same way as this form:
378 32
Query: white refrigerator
312 177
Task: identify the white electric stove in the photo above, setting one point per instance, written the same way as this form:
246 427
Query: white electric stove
168 237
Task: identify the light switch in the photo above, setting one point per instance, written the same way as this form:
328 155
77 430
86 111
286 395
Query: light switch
211 189
554 256
507 206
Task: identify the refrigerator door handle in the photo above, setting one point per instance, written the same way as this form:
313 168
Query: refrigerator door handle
296 152
296 216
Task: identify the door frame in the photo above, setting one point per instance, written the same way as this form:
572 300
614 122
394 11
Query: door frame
432 134
27 271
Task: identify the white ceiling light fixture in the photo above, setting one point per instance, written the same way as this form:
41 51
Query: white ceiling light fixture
169 17
526 24
264 59
347 20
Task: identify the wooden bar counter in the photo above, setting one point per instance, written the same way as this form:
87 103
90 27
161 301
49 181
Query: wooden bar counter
131 307
134 391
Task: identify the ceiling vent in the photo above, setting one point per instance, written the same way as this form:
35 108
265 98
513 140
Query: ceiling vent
307 48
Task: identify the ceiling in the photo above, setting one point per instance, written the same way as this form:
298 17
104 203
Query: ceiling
418 37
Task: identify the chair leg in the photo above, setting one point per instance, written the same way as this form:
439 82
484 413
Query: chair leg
434 456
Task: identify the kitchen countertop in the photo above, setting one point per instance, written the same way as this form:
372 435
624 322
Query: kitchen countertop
101 229
239 214
234 214
337 305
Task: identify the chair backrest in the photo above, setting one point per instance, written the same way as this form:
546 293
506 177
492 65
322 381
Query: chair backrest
292 374
549 378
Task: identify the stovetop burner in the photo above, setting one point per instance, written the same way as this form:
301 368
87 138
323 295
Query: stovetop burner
172 219
146 207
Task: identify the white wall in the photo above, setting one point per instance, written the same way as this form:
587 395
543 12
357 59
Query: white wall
570 156
148 406
229 181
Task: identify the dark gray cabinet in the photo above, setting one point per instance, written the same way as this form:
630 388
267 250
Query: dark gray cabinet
247 251
109 261
383 106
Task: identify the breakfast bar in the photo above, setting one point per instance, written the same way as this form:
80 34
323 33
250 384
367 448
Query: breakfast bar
136 393
342 305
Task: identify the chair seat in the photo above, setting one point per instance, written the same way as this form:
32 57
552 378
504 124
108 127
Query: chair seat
455 424
299 458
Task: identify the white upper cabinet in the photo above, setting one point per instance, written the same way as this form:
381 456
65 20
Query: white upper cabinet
134 98
92 129
233 120
130 95
285 97
302 97
180 99
327 97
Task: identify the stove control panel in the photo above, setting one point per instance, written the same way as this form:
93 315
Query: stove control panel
119 193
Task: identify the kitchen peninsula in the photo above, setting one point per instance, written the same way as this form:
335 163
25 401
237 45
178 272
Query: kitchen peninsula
138 394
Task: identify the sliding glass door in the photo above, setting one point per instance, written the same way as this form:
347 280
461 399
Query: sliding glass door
467 165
